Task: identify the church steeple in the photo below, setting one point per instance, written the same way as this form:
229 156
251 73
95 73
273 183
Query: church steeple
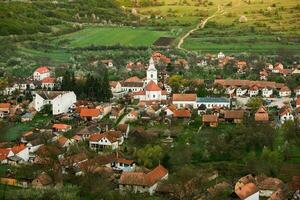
151 72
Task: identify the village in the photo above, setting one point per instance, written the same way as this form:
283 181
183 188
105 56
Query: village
125 138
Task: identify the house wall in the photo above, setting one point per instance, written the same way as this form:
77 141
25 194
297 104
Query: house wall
38 102
24 154
183 104
254 196
210 105
37 76
286 117
62 103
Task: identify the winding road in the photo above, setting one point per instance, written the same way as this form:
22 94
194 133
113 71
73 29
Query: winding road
201 25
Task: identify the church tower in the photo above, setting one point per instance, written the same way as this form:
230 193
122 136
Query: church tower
151 72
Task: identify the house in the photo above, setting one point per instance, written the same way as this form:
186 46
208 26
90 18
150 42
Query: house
18 154
91 114
133 84
246 188
135 66
27 117
124 165
235 116
285 92
63 141
277 68
108 63
267 92
184 100
140 182
253 91
61 127
42 181
241 91
241 65
124 128
48 83
60 101
132 116
151 92
263 75
210 120
4 109
182 114
297 90
221 55
116 89
268 186
108 140
249 191
40 73
212 102
285 114
298 102
262 115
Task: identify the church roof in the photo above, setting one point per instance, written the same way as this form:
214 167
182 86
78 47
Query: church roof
151 65
152 86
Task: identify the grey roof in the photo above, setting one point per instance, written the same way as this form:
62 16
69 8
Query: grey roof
212 100
50 94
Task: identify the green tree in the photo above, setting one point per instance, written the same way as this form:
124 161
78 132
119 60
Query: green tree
149 156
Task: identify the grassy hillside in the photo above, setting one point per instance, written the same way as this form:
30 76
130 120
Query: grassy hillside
268 25
108 36
46 16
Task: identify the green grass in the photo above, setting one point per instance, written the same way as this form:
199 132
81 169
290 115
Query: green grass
12 131
59 56
109 36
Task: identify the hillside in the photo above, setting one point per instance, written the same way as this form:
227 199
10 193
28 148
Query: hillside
258 26
30 17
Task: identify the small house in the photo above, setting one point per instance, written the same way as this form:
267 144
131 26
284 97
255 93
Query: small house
210 120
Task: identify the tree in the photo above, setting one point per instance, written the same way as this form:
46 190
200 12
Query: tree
149 156
176 82
255 102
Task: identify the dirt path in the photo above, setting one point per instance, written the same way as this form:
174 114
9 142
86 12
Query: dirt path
201 25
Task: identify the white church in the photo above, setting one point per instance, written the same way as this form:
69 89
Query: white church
151 92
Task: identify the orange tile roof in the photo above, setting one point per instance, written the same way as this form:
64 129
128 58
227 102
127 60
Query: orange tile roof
246 190
61 126
298 101
234 114
48 80
125 161
62 140
182 113
133 79
152 86
285 89
184 97
90 112
142 179
98 136
3 153
261 114
18 148
42 70
209 118
5 105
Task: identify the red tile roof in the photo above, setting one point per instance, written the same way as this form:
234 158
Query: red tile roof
90 112
298 101
182 114
152 86
261 114
3 153
184 97
142 179
18 148
209 118
48 80
285 89
5 105
133 79
42 70
246 191
61 126
110 135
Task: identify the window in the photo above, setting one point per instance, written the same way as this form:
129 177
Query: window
151 75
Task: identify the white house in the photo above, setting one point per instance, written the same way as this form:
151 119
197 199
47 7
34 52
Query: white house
91 114
285 92
267 92
297 91
184 100
132 116
241 91
133 84
248 191
140 182
18 154
211 102
221 55
41 73
102 141
60 101
48 83
253 91
285 114
124 165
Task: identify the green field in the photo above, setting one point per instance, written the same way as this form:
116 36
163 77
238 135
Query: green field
108 36
12 131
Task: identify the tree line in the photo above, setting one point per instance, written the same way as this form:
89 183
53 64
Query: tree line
93 87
